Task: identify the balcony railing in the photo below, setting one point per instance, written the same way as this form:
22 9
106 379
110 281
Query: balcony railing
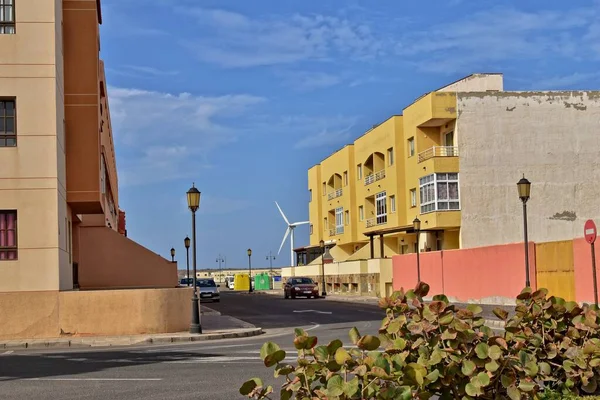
381 220
339 230
438 151
374 177
335 194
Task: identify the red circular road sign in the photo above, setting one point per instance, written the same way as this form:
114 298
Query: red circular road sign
590 231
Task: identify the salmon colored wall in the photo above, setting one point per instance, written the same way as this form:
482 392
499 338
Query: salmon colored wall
110 260
582 259
405 271
469 274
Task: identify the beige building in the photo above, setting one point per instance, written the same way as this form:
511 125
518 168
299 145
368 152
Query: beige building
60 224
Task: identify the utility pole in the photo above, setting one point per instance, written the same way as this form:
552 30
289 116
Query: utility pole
220 260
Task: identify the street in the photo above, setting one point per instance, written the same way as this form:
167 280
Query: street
210 370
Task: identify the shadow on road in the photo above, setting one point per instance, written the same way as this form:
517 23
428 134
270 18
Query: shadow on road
36 366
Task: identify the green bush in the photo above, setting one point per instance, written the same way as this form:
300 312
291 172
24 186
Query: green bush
425 349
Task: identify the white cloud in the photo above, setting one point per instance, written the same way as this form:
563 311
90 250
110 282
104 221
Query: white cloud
162 132
141 71
569 81
238 41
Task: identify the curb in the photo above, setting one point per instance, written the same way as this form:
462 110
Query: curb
99 342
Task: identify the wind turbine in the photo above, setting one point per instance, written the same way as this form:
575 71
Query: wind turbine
290 229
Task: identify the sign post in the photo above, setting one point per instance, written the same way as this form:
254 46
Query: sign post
591 233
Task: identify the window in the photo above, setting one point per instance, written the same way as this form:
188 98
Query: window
8 134
347 215
324 188
361 213
310 195
381 208
413 197
359 171
7 17
345 178
8 235
411 147
339 220
393 204
390 154
102 173
439 192
325 222
311 229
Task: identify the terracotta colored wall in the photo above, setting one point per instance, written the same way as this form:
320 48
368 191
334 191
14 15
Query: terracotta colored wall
485 273
125 312
405 271
582 259
110 260
31 315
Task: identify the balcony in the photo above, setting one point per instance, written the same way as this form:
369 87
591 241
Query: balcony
381 220
438 151
369 179
338 230
335 194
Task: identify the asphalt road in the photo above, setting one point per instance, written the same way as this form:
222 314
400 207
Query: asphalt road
201 370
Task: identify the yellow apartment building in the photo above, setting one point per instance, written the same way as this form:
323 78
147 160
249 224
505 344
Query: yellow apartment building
364 197
61 228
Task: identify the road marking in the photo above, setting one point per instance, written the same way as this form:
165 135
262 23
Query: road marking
95 379
7 352
217 359
315 311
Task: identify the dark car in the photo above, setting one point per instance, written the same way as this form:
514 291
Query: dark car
300 287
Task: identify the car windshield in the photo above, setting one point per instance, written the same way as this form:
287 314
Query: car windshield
302 281
206 283
185 281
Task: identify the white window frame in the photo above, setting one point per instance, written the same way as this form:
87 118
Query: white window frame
339 220
413 197
390 154
9 24
411 146
392 204
430 201
361 213
381 208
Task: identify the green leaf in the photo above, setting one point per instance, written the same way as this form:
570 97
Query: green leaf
416 373
379 372
526 386
545 368
250 385
492 366
299 332
368 343
285 394
274 358
268 348
311 342
354 335
501 313
591 387
399 344
483 378
321 353
351 387
507 381
472 390
283 370
531 368
513 393
437 307
475 309
482 351
468 367
495 352
446 318
393 327
433 376
382 363
335 386
341 356
333 346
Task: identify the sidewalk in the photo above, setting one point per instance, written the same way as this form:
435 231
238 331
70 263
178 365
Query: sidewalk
490 318
214 326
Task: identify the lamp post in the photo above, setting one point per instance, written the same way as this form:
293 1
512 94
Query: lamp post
193 200
270 257
250 270
172 255
186 243
417 228
322 245
524 187
220 260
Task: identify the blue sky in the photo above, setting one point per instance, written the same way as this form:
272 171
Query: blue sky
242 97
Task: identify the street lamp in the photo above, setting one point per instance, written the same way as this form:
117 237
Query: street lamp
186 243
524 187
193 200
250 270
270 257
322 245
172 255
417 228
220 260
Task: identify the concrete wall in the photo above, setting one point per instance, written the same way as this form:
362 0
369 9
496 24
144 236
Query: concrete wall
110 260
552 138
111 312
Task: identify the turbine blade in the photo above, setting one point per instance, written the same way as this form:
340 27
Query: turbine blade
287 232
300 223
282 214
